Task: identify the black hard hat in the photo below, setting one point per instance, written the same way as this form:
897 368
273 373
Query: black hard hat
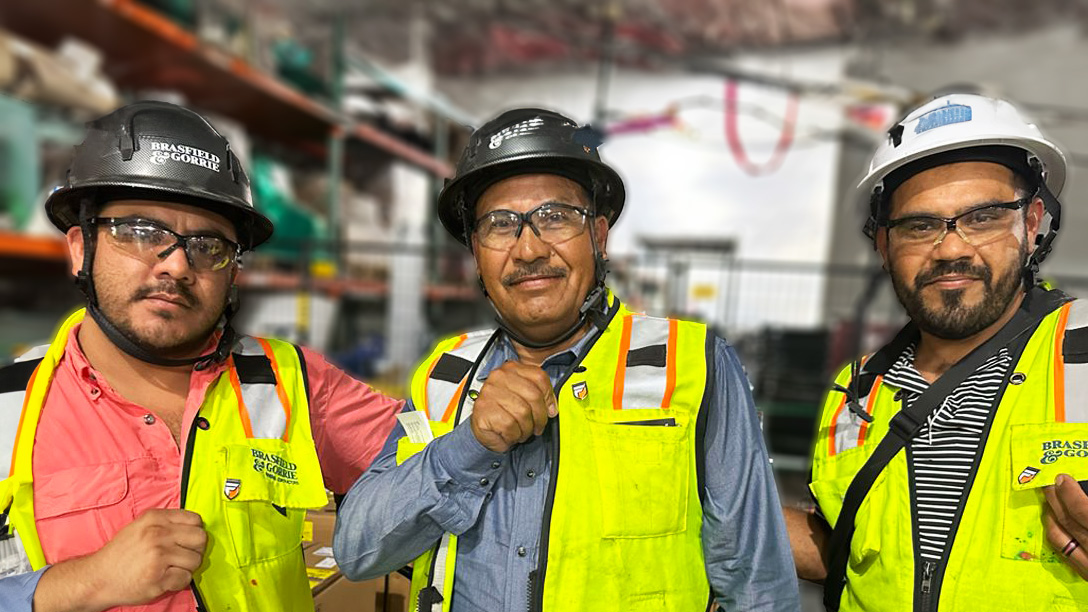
526 141
163 152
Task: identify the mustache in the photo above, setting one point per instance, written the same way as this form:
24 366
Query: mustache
956 266
166 287
524 272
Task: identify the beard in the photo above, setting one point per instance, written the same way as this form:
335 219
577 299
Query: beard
179 340
954 319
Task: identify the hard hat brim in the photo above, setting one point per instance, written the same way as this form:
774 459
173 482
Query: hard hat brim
62 206
471 185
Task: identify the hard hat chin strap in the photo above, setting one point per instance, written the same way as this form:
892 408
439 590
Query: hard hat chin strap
87 212
133 347
1044 242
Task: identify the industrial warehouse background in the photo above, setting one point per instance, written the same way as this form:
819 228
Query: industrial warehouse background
740 129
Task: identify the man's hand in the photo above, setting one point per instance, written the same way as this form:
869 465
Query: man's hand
515 403
153 555
1067 521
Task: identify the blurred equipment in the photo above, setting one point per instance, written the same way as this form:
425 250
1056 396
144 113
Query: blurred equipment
68 77
789 383
19 164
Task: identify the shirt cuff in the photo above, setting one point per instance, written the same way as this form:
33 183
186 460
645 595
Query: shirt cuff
471 469
17 592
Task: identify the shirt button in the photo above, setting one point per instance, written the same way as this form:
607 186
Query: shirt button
521 551
484 482
531 474
203 423
495 465
95 391
149 419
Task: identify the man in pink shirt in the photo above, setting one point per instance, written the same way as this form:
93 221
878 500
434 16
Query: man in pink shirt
158 460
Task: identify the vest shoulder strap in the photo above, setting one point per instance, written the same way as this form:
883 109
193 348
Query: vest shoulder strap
647 368
259 387
1072 406
1075 345
440 381
848 409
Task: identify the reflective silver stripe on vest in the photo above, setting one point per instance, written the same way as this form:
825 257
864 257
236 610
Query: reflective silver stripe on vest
441 393
644 383
35 353
267 415
1076 374
438 577
11 408
848 425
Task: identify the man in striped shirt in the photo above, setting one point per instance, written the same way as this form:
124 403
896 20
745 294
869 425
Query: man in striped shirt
960 198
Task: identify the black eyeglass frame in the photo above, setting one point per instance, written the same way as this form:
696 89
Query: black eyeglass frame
181 240
950 223
525 218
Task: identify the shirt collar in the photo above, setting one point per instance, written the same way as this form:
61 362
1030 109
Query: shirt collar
504 351
902 374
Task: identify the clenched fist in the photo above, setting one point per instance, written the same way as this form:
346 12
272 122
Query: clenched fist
515 403
153 555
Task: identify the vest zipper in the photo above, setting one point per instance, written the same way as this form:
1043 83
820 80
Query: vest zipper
536 577
927 583
938 571
530 590
923 570
185 466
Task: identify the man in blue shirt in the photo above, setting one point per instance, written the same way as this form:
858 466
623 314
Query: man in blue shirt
660 496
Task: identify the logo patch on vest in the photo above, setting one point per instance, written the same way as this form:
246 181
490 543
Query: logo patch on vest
1056 449
231 487
1027 475
274 467
580 390
1041 451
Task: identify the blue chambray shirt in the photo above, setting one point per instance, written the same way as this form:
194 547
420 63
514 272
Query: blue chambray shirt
494 503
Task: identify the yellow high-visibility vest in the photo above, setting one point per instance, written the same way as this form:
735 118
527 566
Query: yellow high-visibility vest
998 556
625 514
250 475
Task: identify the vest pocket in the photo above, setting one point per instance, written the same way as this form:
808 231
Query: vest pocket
829 492
80 509
645 474
1038 453
265 497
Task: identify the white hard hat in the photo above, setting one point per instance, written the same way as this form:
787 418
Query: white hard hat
954 122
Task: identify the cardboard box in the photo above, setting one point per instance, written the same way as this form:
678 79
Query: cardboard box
320 566
333 592
343 595
318 527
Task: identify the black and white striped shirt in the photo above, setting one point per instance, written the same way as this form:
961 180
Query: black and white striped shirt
944 451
